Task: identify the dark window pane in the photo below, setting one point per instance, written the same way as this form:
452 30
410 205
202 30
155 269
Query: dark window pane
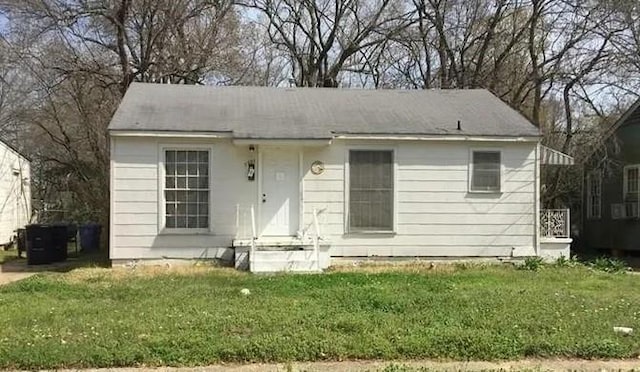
203 209
203 156
181 156
203 169
170 182
192 209
193 183
632 180
181 182
192 169
181 196
486 158
203 182
170 169
371 190
170 196
170 208
486 171
181 209
186 172
170 156
181 169
192 156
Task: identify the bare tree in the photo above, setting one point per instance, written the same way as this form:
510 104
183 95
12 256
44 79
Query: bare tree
322 36
77 60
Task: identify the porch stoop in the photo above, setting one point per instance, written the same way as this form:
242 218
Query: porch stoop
280 254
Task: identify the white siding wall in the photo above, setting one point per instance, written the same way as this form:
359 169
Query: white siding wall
15 193
136 200
435 213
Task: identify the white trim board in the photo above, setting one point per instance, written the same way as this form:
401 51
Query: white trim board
320 141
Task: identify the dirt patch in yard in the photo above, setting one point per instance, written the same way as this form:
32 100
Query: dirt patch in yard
412 266
145 271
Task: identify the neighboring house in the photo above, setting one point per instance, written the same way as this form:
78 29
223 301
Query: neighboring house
612 190
15 192
298 175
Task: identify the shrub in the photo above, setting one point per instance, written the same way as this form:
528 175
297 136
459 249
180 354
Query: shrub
608 265
563 261
532 263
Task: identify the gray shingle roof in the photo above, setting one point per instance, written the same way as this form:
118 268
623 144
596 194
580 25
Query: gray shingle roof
316 113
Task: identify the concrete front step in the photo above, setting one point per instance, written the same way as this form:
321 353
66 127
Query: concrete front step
275 259
285 266
274 241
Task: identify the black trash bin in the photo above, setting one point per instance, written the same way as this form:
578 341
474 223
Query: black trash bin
90 237
39 243
58 242
46 243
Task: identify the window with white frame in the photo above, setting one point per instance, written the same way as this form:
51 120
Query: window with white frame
631 184
485 171
186 189
371 190
594 194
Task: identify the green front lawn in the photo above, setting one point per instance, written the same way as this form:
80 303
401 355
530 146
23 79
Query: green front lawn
8 255
101 317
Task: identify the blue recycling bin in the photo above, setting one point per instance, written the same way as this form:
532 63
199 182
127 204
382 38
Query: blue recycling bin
90 237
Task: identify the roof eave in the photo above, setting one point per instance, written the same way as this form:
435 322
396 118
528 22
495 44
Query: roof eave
441 137
168 133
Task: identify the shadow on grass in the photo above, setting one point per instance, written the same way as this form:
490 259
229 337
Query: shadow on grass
15 264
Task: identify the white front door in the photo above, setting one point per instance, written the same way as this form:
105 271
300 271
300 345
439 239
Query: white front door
280 191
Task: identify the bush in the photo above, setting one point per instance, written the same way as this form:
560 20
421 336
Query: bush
608 265
563 261
532 263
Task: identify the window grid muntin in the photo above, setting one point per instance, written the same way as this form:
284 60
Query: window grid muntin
186 189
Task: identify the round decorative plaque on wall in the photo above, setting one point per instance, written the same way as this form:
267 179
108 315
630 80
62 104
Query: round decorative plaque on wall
317 167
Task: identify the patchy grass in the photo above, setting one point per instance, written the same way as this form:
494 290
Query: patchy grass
9 255
197 316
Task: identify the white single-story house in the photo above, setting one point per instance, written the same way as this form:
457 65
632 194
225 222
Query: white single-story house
15 192
289 178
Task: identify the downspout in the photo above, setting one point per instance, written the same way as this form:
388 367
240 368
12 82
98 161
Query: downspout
537 193
112 196
583 203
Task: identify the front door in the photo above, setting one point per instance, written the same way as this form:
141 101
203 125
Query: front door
280 191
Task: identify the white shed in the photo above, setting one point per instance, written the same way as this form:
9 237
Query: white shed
15 192
286 179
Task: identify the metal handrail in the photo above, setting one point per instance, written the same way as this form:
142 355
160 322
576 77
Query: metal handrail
254 233
316 238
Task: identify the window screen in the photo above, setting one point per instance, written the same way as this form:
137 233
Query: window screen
485 175
370 190
186 189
